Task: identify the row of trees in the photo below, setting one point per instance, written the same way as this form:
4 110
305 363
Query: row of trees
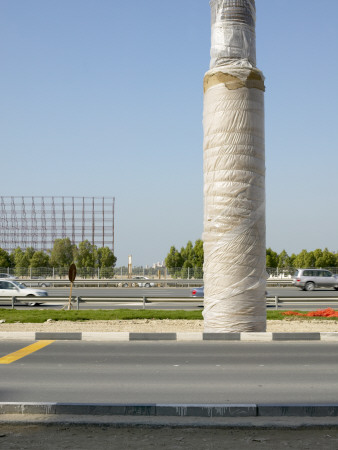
316 258
189 257
192 256
62 254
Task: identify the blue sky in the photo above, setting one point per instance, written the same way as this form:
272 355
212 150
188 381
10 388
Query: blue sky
104 98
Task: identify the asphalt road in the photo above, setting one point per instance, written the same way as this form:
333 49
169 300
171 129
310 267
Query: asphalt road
174 292
158 372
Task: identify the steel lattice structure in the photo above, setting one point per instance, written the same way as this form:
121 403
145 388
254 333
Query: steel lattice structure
37 221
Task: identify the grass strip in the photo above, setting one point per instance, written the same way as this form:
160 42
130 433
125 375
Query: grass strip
40 316
37 316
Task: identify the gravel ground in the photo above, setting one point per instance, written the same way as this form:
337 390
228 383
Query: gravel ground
151 325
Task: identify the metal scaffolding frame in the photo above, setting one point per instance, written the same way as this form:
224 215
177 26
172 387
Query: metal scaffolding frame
37 221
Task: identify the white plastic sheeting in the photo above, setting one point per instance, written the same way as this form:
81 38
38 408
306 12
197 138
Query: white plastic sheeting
234 177
233 38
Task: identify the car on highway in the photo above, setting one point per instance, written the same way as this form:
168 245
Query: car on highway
36 282
139 281
198 292
6 275
309 279
13 288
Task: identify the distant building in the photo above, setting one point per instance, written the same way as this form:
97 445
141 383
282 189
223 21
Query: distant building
158 265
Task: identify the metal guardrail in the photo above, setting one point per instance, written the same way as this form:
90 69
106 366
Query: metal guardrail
275 301
87 299
279 283
278 300
112 282
115 282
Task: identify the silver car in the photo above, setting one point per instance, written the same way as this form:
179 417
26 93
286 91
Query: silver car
198 292
140 282
309 279
12 288
7 276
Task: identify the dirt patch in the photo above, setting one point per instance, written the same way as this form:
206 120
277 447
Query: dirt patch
42 437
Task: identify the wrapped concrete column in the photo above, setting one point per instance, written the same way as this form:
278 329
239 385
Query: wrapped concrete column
234 174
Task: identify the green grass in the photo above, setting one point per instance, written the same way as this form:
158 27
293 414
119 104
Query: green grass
39 316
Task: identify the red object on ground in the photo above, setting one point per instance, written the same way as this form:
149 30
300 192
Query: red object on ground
328 312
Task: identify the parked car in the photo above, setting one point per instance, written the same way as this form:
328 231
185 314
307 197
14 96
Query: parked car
198 292
12 288
140 282
6 275
309 279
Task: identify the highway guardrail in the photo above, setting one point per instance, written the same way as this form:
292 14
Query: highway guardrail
276 301
115 282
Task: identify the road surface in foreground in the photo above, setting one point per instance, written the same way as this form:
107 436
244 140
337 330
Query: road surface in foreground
172 372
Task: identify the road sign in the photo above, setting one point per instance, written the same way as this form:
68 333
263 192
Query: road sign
72 272
71 276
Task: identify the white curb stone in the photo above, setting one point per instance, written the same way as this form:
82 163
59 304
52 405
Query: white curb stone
246 336
105 336
21 335
326 336
189 336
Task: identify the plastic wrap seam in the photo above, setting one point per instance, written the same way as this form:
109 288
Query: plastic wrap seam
254 79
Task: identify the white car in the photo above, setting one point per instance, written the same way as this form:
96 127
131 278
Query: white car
6 275
12 288
140 282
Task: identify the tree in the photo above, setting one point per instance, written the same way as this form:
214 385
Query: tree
187 254
105 257
5 260
63 252
284 261
318 253
309 259
174 258
198 253
301 259
174 261
271 258
106 260
39 259
190 257
292 259
22 259
326 259
86 255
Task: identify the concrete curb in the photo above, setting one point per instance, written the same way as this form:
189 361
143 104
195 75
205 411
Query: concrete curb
179 336
171 410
